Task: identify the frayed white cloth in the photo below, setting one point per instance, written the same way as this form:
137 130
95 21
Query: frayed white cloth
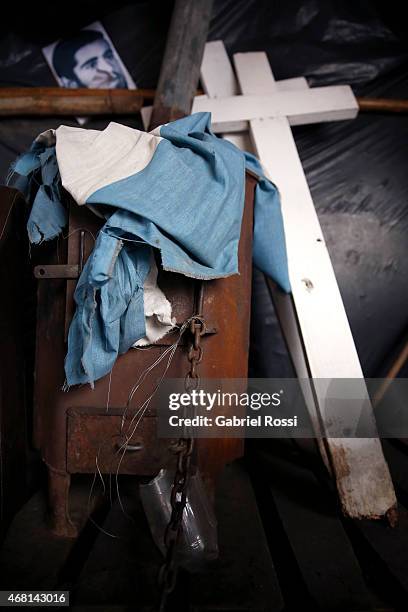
157 310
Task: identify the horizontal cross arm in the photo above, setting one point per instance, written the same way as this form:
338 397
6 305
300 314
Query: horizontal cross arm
300 107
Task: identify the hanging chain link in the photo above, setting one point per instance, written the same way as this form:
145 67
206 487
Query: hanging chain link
184 451
195 353
168 571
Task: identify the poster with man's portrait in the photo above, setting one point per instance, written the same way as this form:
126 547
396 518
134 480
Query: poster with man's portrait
88 59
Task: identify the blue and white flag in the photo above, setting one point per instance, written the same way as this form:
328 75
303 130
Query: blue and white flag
178 189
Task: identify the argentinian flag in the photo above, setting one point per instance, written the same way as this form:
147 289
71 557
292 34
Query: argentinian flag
178 189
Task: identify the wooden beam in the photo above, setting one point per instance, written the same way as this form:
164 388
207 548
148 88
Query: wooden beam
309 106
182 60
17 101
58 101
382 105
223 83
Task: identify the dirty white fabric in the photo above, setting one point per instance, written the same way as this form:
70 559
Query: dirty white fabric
89 160
157 309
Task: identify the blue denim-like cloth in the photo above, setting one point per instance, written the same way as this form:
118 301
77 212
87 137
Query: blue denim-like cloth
109 316
48 216
187 202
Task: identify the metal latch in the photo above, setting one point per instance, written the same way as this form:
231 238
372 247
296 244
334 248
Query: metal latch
57 271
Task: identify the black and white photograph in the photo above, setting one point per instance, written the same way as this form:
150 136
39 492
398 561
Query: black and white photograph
88 59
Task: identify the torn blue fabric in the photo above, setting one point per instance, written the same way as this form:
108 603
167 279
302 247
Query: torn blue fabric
185 199
269 247
48 215
187 202
109 314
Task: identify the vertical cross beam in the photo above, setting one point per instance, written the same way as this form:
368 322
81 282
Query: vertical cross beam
314 319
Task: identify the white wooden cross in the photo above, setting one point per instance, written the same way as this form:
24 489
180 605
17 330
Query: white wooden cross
313 318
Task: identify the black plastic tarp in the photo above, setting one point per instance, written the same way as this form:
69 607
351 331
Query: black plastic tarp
357 170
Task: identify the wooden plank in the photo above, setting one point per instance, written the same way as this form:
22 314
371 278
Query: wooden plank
361 473
286 312
219 81
20 101
252 69
313 528
181 63
241 140
222 83
283 303
216 65
221 78
308 106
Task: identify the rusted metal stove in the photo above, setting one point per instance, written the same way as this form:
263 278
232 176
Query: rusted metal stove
74 429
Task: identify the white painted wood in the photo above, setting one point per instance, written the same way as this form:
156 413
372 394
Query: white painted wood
362 476
283 303
242 140
222 83
146 113
286 312
292 84
252 69
361 473
216 65
304 106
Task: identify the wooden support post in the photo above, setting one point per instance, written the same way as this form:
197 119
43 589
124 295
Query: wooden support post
182 60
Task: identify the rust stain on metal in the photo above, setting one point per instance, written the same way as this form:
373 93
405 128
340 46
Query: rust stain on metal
102 436
68 426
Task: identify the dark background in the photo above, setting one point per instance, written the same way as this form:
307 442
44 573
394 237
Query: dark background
358 174
357 170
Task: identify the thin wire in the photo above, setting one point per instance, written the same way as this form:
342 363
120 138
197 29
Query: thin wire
79 229
127 239
8 215
168 353
142 410
106 411
99 473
